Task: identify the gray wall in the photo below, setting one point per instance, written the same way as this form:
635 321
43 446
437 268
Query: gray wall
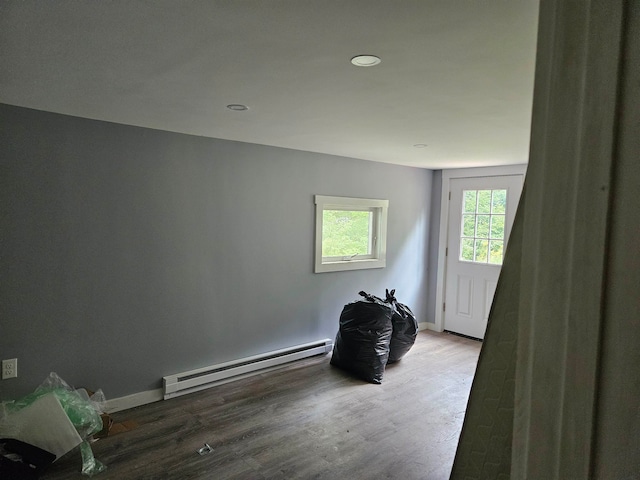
434 242
129 253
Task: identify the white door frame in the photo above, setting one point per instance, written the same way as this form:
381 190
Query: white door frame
447 175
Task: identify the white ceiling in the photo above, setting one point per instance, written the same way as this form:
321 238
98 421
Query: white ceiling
456 75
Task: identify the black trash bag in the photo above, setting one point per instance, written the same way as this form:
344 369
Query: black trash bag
22 461
362 342
405 328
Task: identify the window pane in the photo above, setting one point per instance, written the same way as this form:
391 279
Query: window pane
484 201
497 227
466 249
499 201
482 226
495 252
468 225
345 233
481 251
469 203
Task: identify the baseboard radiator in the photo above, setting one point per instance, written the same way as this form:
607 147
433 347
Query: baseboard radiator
207 377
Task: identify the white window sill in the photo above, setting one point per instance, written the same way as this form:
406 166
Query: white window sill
341 266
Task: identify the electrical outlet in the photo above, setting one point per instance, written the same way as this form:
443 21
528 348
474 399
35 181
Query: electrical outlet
9 368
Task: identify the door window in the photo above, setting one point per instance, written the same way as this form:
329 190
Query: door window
482 229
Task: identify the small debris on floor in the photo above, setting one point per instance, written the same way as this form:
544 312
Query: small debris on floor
204 450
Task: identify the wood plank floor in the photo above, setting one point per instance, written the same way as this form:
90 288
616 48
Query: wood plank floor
308 420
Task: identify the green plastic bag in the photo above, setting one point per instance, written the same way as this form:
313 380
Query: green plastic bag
83 413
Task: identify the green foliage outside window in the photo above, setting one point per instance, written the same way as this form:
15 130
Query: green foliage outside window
483 217
345 233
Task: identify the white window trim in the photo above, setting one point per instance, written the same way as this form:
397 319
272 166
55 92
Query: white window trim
379 256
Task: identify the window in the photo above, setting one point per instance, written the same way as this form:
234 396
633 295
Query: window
483 215
351 233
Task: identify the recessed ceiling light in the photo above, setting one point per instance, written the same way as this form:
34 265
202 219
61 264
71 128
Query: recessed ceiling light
237 107
365 60
421 145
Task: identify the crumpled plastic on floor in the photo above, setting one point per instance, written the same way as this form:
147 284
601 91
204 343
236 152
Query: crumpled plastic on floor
35 418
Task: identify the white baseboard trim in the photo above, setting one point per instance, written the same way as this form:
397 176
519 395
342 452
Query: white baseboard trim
134 400
428 326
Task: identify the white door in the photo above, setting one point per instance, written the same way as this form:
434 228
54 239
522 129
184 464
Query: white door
481 212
